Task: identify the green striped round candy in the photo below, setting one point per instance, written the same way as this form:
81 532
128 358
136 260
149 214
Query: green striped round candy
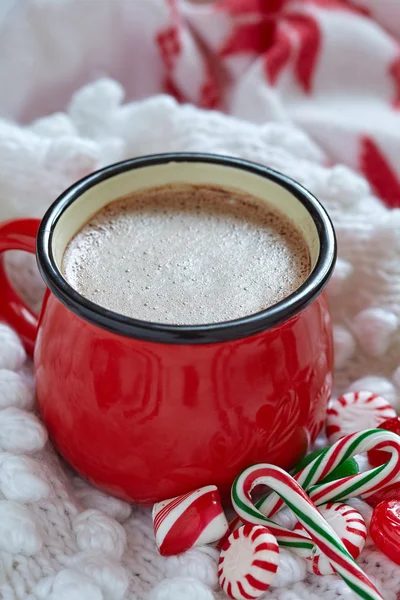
345 469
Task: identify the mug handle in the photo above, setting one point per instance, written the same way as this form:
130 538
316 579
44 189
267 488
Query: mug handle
18 234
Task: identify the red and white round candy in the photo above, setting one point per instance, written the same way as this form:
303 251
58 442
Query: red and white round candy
248 562
355 412
350 527
194 519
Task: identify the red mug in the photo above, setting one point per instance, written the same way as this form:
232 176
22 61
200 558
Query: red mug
148 411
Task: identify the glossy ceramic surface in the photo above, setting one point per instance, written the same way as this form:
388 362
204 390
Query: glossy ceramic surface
17 235
145 419
150 421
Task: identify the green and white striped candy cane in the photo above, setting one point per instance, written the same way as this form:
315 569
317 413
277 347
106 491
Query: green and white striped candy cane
362 484
319 530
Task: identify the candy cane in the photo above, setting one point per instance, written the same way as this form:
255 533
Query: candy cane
318 529
349 526
362 484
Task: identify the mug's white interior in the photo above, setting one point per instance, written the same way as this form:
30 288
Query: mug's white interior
101 194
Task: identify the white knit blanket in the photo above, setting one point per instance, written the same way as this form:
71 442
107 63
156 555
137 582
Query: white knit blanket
61 539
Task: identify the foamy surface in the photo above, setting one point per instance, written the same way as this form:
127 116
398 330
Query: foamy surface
184 254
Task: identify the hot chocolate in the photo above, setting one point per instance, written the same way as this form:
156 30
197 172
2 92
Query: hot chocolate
184 254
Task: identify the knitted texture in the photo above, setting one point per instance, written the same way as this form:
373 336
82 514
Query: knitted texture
60 537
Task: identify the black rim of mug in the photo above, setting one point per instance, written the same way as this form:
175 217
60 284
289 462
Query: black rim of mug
187 334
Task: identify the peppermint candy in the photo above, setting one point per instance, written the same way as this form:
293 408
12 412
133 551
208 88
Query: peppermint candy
320 532
194 519
364 484
377 458
349 526
385 528
248 562
354 412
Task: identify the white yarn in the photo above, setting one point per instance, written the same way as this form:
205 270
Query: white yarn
108 574
379 385
341 275
96 531
374 328
396 377
346 186
55 126
21 431
90 497
60 538
200 563
384 234
181 588
22 479
94 108
71 585
12 353
14 390
19 530
344 345
291 569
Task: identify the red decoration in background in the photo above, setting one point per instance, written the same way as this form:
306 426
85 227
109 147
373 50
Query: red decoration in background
376 168
168 41
253 25
170 46
286 36
310 45
240 7
209 93
249 37
394 72
304 54
278 56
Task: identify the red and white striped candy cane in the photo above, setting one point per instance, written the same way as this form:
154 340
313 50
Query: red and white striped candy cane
362 484
349 525
318 529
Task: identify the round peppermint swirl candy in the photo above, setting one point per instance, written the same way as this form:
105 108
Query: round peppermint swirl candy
349 525
248 562
354 412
